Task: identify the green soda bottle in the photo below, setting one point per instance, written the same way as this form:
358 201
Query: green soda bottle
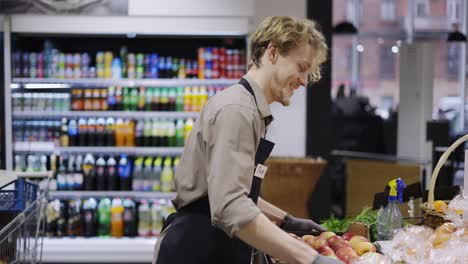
104 217
180 99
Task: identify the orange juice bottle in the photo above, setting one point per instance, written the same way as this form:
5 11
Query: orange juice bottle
117 223
130 135
119 133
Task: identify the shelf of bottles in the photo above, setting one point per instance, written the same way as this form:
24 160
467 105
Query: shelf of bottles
97 114
38 83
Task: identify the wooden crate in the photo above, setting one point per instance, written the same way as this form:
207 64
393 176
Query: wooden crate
289 182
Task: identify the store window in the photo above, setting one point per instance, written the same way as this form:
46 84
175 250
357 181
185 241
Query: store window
453 61
387 62
422 8
387 10
454 10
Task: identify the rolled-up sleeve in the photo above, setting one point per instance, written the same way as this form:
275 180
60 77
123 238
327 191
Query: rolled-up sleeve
231 143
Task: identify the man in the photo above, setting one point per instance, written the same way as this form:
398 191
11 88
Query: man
219 214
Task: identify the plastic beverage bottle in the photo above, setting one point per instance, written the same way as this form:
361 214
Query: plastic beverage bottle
101 177
203 97
144 219
70 172
61 175
134 99
118 98
129 217
110 131
164 100
74 223
82 132
139 133
155 133
78 175
156 218
90 217
147 174
91 129
119 133
117 223
138 175
156 175
188 99
64 139
175 164
179 99
149 99
188 128
167 176
156 99
111 99
104 217
389 219
195 99
125 168
112 174
180 133
101 132
172 95
89 172
147 133
171 134
164 134
73 132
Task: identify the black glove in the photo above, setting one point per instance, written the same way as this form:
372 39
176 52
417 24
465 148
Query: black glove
326 260
300 226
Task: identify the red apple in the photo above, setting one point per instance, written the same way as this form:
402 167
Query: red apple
318 242
346 254
327 234
326 251
348 235
340 244
308 238
332 240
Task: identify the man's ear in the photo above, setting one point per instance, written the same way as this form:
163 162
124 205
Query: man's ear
272 53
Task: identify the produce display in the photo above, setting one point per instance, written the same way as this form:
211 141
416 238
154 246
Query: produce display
347 248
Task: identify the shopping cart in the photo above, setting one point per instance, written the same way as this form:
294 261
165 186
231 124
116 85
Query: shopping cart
21 238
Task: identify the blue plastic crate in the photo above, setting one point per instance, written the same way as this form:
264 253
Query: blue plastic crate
17 195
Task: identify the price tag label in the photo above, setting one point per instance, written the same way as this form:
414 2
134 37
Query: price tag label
260 171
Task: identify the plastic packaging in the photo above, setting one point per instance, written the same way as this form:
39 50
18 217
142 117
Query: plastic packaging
458 210
372 258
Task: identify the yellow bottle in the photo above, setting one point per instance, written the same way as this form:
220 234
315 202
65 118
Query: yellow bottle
167 176
195 99
203 97
188 99
188 129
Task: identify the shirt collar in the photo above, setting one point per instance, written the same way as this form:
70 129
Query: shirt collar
263 106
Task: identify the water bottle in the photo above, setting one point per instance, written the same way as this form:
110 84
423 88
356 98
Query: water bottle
389 219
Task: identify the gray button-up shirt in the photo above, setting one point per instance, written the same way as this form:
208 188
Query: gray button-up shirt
219 156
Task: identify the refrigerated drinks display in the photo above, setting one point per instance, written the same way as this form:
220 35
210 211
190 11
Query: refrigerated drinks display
109 115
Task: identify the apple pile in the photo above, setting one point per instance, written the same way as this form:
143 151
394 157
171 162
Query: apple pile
346 248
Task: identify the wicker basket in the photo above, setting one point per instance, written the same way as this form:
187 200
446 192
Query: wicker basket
431 217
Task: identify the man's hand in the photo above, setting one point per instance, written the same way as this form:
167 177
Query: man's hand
299 225
326 260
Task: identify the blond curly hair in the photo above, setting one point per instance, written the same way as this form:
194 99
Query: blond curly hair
286 33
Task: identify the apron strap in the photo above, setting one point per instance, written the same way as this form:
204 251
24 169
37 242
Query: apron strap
247 86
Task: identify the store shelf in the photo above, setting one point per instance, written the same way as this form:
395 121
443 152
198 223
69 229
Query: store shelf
123 114
39 83
138 151
98 250
98 194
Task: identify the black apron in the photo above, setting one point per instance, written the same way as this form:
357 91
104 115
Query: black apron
192 238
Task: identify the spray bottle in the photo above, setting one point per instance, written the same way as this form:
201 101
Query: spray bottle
389 219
